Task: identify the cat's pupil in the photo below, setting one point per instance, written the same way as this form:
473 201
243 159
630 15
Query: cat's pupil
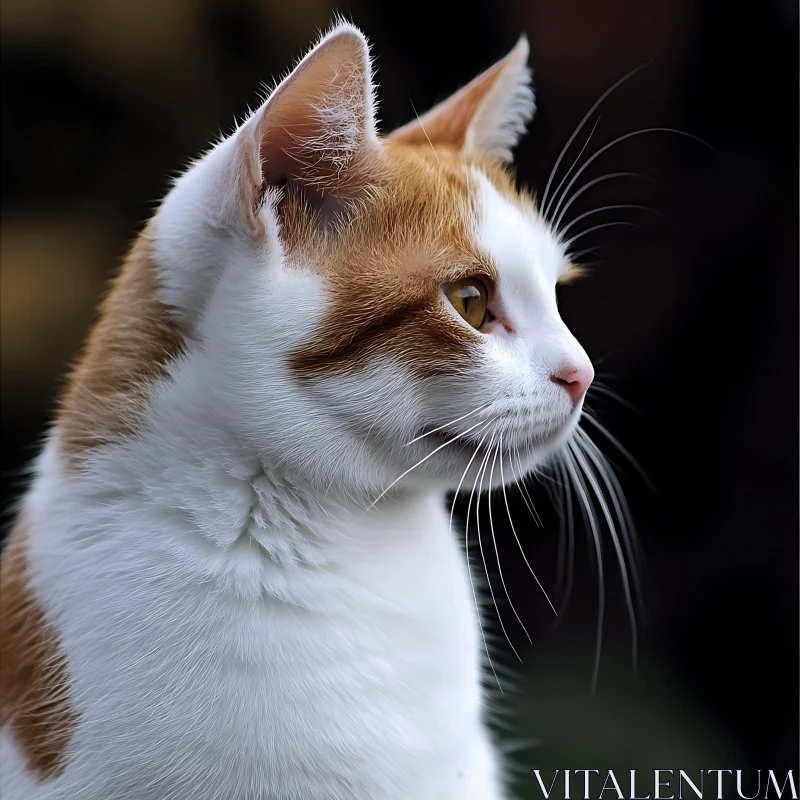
470 293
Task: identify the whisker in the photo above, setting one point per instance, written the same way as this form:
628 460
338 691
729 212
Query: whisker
627 527
494 538
580 253
569 528
466 553
597 387
555 493
589 472
614 207
586 505
602 360
484 467
519 544
448 424
615 142
423 460
594 182
463 477
620 447
572 166
416 113
523 489
580 235
589 113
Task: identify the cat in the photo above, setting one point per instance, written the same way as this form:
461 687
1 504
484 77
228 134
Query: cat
234 574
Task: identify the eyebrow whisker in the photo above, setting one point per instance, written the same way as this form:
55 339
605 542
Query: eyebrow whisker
588 114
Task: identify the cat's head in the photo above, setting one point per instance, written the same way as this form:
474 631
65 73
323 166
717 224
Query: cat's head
358 300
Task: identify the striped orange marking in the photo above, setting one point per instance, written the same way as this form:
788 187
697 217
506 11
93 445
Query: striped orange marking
34 689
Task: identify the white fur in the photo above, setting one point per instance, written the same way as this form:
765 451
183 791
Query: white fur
229 636
240 620
504 115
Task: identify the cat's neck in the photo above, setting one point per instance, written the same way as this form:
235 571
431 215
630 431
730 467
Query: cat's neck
209 513
215 488
189 479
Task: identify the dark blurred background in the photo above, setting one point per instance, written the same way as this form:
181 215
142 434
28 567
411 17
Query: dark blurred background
692 320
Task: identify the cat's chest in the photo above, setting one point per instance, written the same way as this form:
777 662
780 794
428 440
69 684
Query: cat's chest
323 667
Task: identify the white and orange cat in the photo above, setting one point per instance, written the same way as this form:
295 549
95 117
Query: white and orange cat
234 575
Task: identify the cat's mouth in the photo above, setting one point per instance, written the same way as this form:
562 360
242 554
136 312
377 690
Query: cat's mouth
488 441
454 442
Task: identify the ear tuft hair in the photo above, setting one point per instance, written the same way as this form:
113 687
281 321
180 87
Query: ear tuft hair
502 118
316 131
487 117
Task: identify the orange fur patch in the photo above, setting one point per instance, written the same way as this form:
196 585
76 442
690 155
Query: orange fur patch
574 273
126 352
385 265
34 697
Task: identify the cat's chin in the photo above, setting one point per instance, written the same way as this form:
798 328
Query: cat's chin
492 459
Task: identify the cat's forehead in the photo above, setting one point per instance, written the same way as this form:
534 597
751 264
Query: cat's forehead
501 222
516 236
432 213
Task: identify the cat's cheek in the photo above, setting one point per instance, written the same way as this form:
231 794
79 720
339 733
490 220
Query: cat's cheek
497 327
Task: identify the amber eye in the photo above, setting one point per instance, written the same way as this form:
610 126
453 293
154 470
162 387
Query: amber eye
469 297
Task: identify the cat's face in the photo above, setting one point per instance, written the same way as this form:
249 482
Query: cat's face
382 305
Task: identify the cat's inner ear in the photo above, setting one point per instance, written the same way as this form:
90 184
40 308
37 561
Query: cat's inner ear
486 118
315 134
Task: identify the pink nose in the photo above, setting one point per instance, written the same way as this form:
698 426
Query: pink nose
575 380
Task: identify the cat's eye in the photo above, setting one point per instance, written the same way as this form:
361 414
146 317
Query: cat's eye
470 298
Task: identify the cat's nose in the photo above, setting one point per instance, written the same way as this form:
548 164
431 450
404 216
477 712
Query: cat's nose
575 379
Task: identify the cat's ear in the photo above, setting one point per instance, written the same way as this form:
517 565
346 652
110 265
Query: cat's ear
485 118
316 131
